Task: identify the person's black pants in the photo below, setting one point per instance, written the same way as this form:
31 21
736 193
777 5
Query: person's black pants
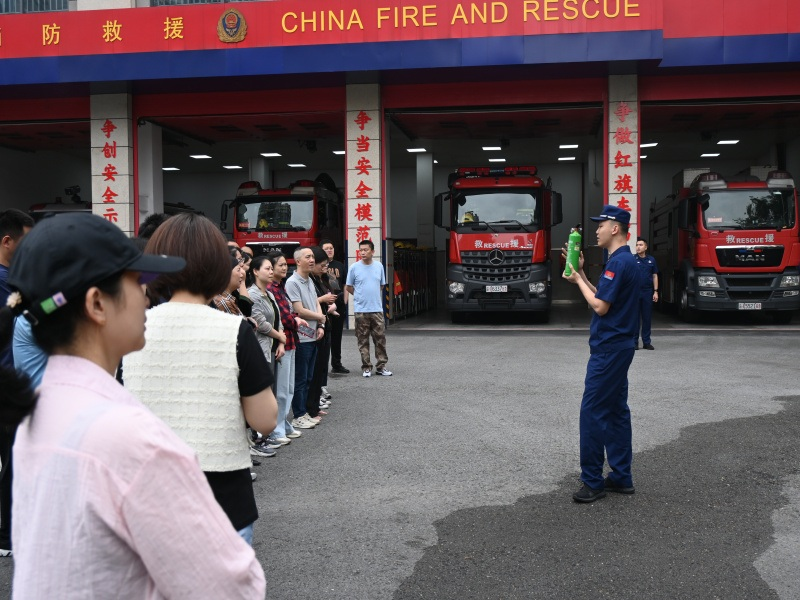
320 371
337 326
7 435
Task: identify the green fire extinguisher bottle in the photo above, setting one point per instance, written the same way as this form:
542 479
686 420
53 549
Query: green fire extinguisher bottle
573 250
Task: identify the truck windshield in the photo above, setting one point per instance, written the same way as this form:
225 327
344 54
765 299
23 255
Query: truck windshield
507 208
278 213
750 209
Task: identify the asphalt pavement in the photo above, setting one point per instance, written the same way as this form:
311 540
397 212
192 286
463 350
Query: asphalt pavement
453 478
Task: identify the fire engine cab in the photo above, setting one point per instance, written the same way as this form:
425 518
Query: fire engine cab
729 244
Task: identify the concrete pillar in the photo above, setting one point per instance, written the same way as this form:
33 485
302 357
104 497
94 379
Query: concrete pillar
149 152
425 196
112 159
260 172
623 149
364 198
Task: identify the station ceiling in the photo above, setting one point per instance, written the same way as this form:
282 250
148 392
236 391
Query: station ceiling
526 135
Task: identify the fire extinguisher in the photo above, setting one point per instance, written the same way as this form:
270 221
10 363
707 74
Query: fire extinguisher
573 250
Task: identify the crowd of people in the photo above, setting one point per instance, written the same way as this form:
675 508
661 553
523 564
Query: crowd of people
231 366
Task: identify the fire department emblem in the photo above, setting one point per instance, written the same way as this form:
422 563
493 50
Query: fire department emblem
231 26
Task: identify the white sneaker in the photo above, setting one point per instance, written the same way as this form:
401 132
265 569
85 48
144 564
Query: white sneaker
324 404
384 372
367 373
302 423
294 434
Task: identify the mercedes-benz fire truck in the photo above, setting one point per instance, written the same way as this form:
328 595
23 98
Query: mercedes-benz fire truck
498 254
285 219
728 244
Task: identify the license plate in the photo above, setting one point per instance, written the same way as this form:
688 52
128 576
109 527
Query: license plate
749 305
496 288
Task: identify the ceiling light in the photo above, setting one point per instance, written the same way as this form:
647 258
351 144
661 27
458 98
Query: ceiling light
231 167
270 154
728 142
568 146
296 165
497 160
710 155
643 156
491 148
566 158
436 162
416 150
199 156
170 169
338 152
650 145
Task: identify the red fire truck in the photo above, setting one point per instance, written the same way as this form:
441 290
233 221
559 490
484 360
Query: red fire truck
498 254
728 244
285 219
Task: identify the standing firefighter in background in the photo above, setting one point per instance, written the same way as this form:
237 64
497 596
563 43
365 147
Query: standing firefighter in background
648 291
605 421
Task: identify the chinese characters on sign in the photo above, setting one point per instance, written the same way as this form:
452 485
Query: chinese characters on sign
363 180
623 150
111 159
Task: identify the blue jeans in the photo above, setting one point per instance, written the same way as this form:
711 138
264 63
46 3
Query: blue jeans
246 534
284 391
304 358
605 422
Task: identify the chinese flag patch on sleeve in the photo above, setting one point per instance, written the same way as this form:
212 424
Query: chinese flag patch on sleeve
609 275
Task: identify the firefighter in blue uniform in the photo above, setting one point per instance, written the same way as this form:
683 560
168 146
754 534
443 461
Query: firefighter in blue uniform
649 291
605 419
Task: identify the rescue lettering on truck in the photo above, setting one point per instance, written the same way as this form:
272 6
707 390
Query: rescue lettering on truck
302 214
728 244
498 253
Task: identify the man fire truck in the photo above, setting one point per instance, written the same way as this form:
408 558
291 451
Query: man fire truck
729 244
285 219
498 254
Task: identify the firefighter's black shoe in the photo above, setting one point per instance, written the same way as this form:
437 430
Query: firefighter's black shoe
613 487
587 494
648 347
339 369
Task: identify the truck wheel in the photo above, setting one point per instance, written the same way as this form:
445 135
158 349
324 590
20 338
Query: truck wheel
782 317
685 312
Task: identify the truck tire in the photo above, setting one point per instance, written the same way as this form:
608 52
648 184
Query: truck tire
685 312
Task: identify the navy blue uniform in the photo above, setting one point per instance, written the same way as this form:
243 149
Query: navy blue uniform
605 421
647 268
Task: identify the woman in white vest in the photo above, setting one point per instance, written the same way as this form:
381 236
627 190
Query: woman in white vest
202 370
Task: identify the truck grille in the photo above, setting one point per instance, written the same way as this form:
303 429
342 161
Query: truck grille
496 266
749 256
748 288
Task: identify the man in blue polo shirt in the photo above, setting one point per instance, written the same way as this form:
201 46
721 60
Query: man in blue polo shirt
605 420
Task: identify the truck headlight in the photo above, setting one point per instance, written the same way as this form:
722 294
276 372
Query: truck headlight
707 281
539 287
455 287
790 280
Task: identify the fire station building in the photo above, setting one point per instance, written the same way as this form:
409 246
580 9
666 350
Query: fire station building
131 104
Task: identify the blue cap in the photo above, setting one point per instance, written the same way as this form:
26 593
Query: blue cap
613 213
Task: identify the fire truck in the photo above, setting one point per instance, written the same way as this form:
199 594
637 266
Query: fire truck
728 244
285 219
498 253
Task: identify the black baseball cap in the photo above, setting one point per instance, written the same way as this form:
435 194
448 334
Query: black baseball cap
613 213
66 254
